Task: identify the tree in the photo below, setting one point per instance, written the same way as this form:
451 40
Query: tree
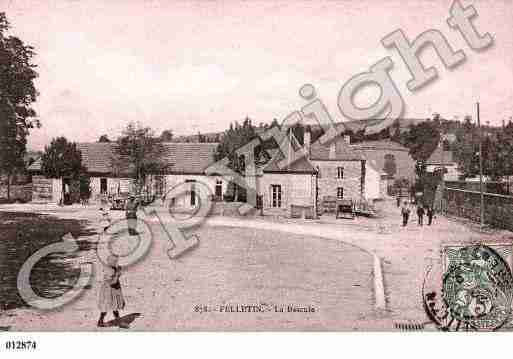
166 136
143 151
17 93
497 152
422 140
104 139
235 137
62 159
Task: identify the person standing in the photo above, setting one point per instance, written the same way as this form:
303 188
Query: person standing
131 215
105 220
420 213
430 213
405 212
111 296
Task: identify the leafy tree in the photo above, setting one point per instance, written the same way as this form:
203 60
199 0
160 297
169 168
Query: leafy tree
466 148
61 159
104 139
235 137
17 94
166 136
422 140
143 151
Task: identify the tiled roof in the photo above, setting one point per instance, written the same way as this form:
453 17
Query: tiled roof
439 157
182 157
343 151
300 165
97 156
188 158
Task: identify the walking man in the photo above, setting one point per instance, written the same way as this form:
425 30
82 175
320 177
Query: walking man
430 213
405 212
420 213
131 215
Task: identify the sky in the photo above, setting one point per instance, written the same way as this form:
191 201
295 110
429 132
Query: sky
194 66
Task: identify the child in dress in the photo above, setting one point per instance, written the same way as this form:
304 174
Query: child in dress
111 295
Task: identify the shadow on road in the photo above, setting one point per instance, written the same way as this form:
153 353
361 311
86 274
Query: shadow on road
124 321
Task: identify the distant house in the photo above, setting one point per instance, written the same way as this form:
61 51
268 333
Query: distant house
328 172
287 189
441 159
341 170
377 153
110 176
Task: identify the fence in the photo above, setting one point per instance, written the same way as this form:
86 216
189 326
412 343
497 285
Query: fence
498 209
504 187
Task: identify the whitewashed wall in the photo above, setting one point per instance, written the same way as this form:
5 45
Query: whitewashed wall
297 189
210 181
372 183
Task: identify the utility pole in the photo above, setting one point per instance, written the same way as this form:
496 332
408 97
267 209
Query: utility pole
481 208
443 167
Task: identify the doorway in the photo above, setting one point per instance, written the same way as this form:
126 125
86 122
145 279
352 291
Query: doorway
103 185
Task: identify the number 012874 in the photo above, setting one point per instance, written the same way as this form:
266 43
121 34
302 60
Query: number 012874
20 345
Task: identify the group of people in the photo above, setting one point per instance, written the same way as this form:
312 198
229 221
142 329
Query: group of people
421 211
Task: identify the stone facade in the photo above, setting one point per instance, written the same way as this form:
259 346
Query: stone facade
351 182
46 189
376 152
296 190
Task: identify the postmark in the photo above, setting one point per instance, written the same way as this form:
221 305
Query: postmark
476 289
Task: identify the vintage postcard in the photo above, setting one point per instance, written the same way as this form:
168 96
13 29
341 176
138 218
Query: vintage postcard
255 166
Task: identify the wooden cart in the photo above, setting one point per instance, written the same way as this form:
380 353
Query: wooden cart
345 209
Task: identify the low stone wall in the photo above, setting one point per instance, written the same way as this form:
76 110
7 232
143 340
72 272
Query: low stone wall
498 209
22 193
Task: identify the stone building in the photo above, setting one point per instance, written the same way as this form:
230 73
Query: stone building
377 153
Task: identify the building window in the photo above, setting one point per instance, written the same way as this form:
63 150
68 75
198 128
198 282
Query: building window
192 192
340 172
242 163
219 190
276 195
340 193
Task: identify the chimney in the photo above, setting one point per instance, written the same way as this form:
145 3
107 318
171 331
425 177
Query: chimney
307 139
333 150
